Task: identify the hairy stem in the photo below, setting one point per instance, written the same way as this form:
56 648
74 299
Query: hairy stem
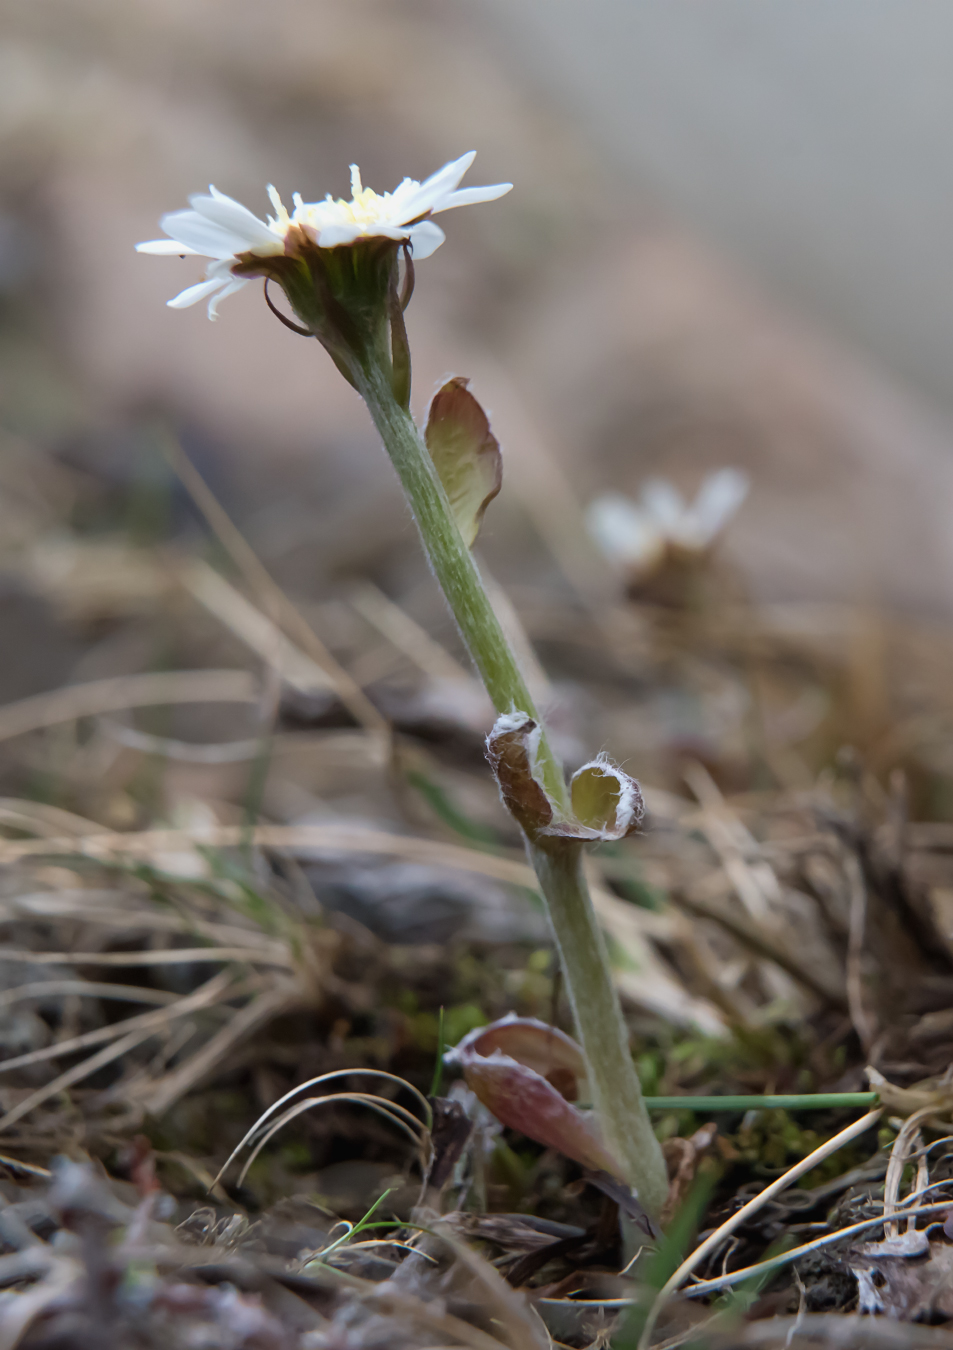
558 863
453 564
616 1094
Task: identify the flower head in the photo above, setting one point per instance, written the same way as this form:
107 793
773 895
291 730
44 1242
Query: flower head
639 535
402 214
219 228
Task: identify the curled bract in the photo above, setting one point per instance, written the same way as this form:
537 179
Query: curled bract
512 748
525 1072
606 803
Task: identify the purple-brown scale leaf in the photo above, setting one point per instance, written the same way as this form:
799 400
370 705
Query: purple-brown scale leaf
465 453
512 1066
549 1051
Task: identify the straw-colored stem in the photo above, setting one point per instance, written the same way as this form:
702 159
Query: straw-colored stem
558 864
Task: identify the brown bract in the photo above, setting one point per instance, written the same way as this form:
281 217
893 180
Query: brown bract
606 803
522 1070
511 751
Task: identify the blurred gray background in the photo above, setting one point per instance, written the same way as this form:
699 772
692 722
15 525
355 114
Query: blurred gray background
811 139
728 244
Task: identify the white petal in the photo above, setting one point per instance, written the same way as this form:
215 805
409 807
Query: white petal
425 239
623 532
382 230
404 189
333 235
347 233
447 178
193 294
164 246
471 196
664 503
234 217
229 289
202 235
435 188
719 497
220 268
281 213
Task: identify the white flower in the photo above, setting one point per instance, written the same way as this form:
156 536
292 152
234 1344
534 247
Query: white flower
222 229
637 535
400 214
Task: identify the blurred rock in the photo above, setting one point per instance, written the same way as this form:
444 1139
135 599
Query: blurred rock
410 903
39 652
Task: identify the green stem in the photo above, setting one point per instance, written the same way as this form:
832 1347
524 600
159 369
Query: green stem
558 863
795 1101
616 1094
453 563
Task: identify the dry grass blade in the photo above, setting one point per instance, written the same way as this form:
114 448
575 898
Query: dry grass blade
759 923
430 1315
407 636
903 1145
76 1075
764 943
125 916
302 838
509 1308
150 1025
126 691
41 818
247 622
252 1134
169 957
216 988
396 1114
269 594
127 993
730 841
742 1216
262 1009
649 985
28 1169
62 1275
195 1169
186 752
734 1277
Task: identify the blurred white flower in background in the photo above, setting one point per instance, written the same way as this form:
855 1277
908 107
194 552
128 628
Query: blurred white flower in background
222 229
638 535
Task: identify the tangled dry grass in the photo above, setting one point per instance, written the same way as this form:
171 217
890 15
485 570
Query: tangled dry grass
278 856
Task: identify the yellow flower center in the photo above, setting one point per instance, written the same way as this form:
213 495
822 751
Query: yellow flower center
365 206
